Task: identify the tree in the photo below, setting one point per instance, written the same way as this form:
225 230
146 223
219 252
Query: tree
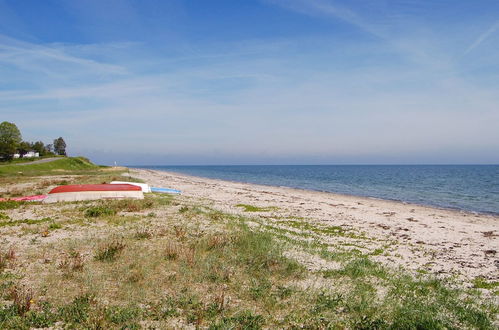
24 147
10 138
50 148
60 146
40 148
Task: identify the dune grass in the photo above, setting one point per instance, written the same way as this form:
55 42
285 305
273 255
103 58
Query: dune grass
253 208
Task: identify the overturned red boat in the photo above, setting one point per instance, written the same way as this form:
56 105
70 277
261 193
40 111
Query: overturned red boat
82 192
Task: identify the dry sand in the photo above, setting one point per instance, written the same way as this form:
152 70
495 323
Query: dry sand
440 241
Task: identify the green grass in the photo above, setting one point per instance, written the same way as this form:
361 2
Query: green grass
24 221
252 208
322 230
481 283
99 211
107 208
69 164
9 205
25 160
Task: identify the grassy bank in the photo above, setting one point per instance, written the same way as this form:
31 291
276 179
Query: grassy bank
74 165
175 262
37 179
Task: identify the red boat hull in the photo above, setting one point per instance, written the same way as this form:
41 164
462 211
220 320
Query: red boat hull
84 192
94 187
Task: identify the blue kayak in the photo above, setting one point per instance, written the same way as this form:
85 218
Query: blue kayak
165 190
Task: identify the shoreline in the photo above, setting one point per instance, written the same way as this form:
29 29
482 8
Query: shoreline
438 207
240 247
418 237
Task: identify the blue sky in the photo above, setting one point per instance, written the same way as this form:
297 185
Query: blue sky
255 82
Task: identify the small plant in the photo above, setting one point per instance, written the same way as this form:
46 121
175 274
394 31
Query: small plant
377 252
132 205
54 226
143 234
22 299
172 251
189 256
72 262
183 209
251 208
284 292
180 232
217 241
10 255
4 216
136 275
99 211
481 283
109 251
325 301
77 311
3 262
242 320
260 289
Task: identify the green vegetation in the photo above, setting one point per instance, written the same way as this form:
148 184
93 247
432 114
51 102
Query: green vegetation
11 143
24 221
60 146
322 229
481 283
112 207
10 138
9 205
251 208
99 211
110 251
75 165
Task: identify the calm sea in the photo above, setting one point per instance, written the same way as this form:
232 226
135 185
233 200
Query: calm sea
465 187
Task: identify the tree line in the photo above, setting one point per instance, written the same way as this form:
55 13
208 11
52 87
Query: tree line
11 143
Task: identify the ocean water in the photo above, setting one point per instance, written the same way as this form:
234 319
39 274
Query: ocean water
466 187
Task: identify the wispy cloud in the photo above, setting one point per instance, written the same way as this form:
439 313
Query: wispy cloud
23 54
483 37
329 9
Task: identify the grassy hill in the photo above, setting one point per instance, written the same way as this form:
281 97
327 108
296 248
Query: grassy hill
68 164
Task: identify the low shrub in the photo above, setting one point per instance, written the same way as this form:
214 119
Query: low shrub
110 251
99 211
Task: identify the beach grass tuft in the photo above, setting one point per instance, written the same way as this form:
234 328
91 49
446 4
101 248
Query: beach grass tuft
252 208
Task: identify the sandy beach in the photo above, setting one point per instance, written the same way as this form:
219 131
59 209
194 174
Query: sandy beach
418 238
234 255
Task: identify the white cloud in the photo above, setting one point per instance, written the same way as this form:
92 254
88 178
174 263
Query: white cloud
486 34
36 57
